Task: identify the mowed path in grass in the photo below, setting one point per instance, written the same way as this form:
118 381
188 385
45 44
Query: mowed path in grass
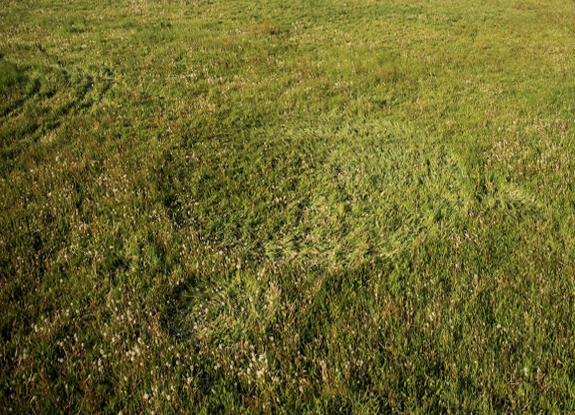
303 207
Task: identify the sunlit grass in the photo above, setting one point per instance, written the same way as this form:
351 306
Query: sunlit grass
301 207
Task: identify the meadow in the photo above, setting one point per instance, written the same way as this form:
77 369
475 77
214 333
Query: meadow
301 207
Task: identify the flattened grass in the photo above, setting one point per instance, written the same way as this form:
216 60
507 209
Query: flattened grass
242 207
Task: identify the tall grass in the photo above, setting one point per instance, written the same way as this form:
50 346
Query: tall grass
301 207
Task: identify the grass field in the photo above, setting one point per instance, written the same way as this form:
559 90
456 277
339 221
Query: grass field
319 207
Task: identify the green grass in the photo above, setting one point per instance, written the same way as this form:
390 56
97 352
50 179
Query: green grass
287 207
